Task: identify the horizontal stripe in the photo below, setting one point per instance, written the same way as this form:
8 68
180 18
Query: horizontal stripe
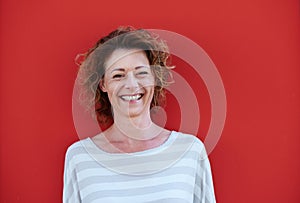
136 196
144 168
170 200
132 159
95 182
109 176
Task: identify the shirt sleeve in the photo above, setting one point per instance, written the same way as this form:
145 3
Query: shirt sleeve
204 188
70 185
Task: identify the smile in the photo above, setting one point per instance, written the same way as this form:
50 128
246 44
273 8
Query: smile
132 97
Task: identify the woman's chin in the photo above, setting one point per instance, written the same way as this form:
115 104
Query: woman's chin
137 111
133 113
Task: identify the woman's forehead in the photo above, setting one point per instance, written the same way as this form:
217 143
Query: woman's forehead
126 58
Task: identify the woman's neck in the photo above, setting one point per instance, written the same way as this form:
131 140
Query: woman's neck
138 128
131 135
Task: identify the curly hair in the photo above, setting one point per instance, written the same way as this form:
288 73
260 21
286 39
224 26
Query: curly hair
92 68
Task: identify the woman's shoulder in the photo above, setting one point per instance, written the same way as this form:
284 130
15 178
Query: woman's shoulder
76 148
188 137
194 143
77 144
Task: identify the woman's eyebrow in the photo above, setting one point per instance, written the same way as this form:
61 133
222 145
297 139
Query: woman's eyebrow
136 68
143 66
118 69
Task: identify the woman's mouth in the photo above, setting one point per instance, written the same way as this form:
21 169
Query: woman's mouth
134 97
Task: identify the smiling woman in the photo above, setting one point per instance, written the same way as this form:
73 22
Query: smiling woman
130 88
134 160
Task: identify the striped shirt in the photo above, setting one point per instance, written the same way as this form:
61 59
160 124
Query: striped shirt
178 171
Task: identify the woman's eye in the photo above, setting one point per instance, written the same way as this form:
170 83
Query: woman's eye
143 73
118 76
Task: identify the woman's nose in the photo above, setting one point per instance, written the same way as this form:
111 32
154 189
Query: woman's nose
131 81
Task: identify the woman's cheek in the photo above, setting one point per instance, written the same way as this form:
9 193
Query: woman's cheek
148 81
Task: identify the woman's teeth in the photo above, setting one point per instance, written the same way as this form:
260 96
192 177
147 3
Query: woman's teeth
131 97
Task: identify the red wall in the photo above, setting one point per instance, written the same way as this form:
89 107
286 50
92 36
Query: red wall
254 44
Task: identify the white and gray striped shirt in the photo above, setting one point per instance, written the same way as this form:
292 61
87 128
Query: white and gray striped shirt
178 171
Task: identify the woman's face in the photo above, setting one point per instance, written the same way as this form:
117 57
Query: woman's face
129 82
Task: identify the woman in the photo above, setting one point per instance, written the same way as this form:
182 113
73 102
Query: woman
133 160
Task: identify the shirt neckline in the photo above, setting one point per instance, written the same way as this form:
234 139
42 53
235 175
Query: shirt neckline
156 149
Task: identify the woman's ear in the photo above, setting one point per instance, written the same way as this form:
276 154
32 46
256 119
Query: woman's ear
102 85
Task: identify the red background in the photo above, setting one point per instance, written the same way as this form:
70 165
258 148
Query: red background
254 44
